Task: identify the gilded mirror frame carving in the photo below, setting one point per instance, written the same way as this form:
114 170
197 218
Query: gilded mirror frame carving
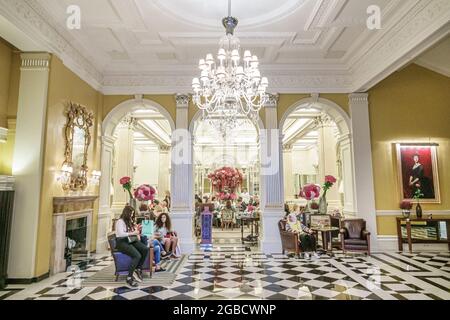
77 117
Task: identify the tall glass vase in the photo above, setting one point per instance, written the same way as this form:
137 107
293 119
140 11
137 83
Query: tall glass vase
323 206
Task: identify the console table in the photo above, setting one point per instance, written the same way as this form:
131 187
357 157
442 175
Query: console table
422 231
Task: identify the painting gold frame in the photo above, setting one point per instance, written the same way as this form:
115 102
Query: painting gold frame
79 120
434 167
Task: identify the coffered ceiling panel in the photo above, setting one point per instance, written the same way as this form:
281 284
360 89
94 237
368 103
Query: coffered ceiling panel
128 46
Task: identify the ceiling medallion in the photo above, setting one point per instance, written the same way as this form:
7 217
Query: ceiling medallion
230 85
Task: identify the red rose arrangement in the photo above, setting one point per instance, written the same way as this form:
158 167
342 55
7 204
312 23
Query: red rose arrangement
329 182
126 185
225 181
406 205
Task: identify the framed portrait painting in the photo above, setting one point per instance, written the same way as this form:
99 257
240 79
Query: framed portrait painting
418 169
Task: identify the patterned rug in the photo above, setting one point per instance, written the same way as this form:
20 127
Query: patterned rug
106 277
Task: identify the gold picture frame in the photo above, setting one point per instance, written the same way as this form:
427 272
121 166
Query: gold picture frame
78 139
417 167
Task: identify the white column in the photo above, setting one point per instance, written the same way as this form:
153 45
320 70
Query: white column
182 180
163 175
345 151
123 162
28 163
288 173
362 155
105 215
272 193
327 157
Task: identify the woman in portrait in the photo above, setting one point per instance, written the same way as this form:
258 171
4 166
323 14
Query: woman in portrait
418 180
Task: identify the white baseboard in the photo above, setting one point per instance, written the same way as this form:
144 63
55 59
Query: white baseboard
390 244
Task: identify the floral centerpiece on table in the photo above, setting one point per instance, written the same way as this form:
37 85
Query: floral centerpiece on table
225 181
329 182
126 185
406 207
145 192
310 192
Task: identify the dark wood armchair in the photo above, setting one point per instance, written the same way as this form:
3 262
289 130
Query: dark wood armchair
354 236
289 240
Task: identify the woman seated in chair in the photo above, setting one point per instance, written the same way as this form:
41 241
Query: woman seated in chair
228 215
306 235
165 235
128 242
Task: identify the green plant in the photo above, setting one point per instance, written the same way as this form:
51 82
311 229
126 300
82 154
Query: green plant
418 194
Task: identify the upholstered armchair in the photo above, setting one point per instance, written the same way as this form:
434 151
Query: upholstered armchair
122 261
289 240
354 236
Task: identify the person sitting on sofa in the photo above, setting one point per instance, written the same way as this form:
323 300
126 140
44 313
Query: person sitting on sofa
165 235
307 238
128 242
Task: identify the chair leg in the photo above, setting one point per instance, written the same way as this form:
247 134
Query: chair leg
117 277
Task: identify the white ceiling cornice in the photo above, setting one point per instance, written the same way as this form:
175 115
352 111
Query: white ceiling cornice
28 16
411 27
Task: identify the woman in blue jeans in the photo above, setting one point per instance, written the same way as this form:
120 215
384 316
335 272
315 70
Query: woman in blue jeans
157 250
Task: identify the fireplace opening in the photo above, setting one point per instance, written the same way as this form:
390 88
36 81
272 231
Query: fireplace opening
76 251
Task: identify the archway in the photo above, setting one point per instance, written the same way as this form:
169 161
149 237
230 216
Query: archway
317 132
240 149
133 133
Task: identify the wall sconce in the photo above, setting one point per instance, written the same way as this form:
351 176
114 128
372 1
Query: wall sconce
95 178
65 175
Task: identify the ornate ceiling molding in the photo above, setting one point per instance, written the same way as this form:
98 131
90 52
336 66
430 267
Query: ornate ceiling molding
29 17
415 26
421 27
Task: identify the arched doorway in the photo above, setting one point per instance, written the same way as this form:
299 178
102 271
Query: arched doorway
136 142
317 142
239 149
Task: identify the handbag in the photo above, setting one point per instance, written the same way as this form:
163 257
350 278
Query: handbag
147 228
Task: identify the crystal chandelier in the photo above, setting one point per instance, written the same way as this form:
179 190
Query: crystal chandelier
229 86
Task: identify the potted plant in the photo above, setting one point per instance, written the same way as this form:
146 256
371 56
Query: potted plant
406 207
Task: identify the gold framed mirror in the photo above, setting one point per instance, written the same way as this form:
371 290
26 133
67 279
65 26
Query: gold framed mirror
77 138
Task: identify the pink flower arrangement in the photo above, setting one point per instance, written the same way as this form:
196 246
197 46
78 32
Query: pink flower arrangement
406 205
310 192
226 196
226 178
145 193
250 208
126 185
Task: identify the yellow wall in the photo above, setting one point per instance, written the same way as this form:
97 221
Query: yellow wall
64 86
9 92
412 105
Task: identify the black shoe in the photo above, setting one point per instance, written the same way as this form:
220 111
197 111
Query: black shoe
160 270
167 254
131 282
138 275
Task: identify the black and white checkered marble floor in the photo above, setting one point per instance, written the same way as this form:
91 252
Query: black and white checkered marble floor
234 271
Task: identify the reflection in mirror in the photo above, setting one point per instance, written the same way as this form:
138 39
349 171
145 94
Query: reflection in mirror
78 145
78 138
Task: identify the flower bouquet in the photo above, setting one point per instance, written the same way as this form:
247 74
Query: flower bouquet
329 182
126 185
310 192
406 207
144 192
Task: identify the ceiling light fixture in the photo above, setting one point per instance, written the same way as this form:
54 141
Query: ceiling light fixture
230 85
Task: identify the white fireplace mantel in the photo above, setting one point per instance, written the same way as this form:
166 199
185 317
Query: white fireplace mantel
65 209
